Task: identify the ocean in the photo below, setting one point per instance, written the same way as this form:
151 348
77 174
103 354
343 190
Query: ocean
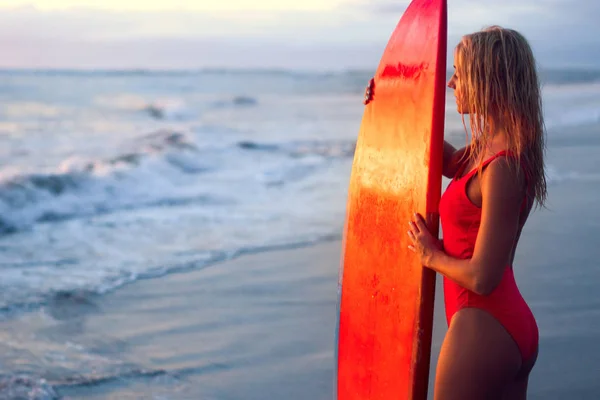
111 177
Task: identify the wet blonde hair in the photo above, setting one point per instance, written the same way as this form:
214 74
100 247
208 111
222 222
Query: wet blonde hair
498 78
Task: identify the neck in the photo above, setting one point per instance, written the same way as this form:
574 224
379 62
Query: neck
495 140
495 128
495 131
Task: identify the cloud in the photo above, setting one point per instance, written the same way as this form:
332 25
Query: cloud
561 32
170 5
81 38
352 35
383 7
88 24
470 15
85 24
168 54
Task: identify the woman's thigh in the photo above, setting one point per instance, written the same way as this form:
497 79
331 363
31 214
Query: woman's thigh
478 359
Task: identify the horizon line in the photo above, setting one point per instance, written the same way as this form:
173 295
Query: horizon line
225 69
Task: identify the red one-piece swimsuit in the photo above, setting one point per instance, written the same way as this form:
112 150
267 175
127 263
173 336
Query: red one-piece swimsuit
460 220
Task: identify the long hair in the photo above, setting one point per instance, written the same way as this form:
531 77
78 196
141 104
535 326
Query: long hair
499 79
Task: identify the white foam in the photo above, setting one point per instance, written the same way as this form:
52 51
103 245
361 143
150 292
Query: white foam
589 114
554 176
123 101
32 109
571 105
168 109
81 186
163 107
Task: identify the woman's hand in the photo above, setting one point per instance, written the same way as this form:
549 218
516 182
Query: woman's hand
423 242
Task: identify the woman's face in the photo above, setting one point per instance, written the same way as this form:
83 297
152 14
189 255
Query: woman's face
455 83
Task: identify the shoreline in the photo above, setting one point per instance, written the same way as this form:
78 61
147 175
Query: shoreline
261 323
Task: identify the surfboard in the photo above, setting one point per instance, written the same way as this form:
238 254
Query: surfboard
385 297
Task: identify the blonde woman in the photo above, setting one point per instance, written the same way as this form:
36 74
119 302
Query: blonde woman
492 341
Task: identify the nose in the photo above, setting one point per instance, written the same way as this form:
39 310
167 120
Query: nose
452 83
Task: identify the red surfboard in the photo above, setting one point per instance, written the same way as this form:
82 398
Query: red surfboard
386 297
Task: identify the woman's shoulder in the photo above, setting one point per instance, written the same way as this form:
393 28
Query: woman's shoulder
505 173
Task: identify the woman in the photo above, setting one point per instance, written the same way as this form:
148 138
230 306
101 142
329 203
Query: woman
492 340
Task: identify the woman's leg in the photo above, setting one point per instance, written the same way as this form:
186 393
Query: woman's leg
517 389
478 359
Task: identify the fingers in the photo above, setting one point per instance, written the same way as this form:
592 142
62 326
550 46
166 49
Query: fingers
414 229
420 222
417 228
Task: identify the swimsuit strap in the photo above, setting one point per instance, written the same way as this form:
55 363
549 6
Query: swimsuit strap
485 163
492 158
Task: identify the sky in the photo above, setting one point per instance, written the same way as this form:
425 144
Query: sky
291 34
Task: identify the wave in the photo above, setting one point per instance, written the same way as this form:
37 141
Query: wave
303 158
554 176
329 149
72 302
168 110
248 145
134 374
26 387
237 101
34 388
569 76
161 170
80 187
28 109
178 110
576 117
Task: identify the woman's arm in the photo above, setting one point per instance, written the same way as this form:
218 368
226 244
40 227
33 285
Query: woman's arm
502 195
452 159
